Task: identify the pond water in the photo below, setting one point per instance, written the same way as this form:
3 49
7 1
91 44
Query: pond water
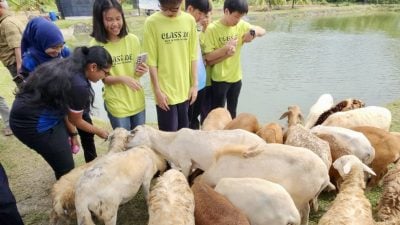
301 58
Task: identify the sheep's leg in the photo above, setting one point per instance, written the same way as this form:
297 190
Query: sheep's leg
146 184
304 212
110 214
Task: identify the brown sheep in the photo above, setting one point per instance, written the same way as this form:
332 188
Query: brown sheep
213 208
271 133
389 204
217 119
387 150
244 121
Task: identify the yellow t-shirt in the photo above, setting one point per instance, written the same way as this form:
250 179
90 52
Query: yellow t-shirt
120 100
216 36
172 45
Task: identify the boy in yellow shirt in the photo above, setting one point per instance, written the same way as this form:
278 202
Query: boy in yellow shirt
170 38
224 39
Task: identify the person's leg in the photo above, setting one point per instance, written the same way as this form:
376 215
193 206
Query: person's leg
53 145
87 140
182 111
233 97
167 120
5 115
195 110
9 214
206 103
138 119
219 91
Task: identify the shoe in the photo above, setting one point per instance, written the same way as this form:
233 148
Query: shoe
7 131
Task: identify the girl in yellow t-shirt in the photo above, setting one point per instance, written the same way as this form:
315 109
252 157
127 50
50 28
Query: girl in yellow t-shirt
123 94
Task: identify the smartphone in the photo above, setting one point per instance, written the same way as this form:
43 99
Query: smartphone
142 58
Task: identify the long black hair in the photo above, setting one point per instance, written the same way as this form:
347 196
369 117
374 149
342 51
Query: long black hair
99 31
49 85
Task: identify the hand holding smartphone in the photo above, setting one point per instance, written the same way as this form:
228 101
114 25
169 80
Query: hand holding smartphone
142 58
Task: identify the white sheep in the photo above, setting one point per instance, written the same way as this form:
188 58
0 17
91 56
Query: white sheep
345 105
301 172
116 179
323 103
216 119
373 116
189 149
171 200
63 191
350 205
213 208
263 202
354 141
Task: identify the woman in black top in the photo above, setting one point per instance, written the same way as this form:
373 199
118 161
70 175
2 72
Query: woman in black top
55 93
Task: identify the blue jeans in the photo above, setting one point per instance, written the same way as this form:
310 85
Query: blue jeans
129 122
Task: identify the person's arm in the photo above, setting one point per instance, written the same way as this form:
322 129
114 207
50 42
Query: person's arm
258 32
18 58
194 87
222 53
75 117
161 97
127 80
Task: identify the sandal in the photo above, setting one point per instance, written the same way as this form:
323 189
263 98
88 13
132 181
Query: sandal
7 131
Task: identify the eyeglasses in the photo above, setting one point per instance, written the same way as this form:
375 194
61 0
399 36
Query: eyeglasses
171 9
106 73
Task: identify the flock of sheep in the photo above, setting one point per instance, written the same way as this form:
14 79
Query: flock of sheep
252 174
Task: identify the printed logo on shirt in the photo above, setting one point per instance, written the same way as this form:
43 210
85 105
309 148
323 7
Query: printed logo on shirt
170 37
122 59
225 39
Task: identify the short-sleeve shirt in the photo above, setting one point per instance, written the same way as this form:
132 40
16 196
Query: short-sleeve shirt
10 38
216 36
121 101
172 45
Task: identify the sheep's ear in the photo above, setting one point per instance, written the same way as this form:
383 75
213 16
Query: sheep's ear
285 114
347 167
368 170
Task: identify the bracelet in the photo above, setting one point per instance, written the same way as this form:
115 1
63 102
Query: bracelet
73 134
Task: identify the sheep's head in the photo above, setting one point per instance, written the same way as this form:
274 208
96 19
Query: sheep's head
140 136
294 115
344 164
119 139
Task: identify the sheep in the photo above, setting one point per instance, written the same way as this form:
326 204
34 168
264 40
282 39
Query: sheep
116 178
263 202
298 136
301 172
271 133
171 201
343 210
354 141
342 106
388 207
189 149
294 116
387 150
373 116
217 119
63 191
323 103
213 208
245 121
